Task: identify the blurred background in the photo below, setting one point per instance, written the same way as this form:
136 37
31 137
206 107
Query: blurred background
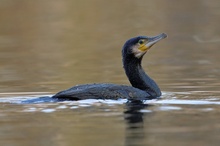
51 45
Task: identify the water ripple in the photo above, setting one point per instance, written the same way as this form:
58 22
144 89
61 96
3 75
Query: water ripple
170 101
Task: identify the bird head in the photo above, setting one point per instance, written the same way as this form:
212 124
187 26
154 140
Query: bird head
138 46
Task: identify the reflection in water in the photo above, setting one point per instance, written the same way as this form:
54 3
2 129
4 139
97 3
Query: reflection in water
135 123
49 46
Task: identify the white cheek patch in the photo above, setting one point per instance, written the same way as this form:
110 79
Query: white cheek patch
138 53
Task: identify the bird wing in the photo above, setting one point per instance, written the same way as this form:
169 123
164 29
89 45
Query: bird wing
102 91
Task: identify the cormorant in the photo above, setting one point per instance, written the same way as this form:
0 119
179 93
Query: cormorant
143 87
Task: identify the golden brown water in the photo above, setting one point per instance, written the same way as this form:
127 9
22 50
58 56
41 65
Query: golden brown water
48 46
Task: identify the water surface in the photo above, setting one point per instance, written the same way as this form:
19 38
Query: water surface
48 46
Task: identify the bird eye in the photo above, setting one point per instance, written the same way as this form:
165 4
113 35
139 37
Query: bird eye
141 42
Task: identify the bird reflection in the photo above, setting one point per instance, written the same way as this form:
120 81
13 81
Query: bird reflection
135 123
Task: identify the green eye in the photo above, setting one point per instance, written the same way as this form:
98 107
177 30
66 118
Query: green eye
141 42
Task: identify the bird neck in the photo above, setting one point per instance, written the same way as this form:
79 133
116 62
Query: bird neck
138 78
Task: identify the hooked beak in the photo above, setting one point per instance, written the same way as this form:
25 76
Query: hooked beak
154 40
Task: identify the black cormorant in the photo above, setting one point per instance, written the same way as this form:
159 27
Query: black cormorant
143 87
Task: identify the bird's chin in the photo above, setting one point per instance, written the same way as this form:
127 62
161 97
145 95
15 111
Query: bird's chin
139 53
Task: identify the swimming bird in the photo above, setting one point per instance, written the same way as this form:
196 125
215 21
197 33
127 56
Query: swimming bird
143 87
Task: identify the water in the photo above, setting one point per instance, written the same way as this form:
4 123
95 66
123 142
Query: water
48 46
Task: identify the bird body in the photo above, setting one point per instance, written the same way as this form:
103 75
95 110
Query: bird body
102 91
143 87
